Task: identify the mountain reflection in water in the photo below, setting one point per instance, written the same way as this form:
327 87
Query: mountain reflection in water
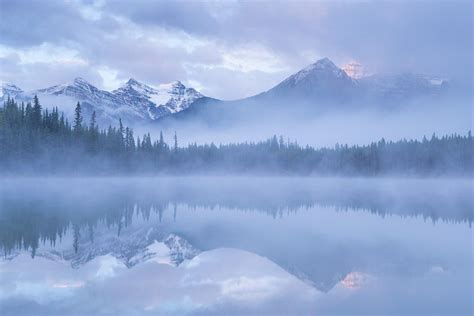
310 240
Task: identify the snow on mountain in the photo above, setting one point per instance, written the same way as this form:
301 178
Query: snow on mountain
107 106
172 250
9 90
322 81
132 101
400 86
81 90
322 69
157 101
133 246
325 81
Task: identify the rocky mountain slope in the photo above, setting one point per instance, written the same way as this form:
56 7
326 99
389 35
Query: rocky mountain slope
134 101
318 85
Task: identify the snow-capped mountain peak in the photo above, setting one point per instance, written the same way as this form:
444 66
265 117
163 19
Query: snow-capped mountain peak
160 100
135 245
320 80
319 84
133 100
132 82
80 80
134 86
322 64
323 67
172 85
326 82
78 87
173 88
8 89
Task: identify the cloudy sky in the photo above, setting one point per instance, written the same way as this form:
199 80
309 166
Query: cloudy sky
227 49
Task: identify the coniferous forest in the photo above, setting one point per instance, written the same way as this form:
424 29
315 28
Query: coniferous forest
36 140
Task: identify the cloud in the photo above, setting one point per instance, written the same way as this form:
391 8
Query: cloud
234 48
40 73
373 31
29 23
230 83
216 283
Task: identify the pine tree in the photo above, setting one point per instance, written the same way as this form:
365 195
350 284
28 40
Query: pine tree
36 113
77 127
23 136
161 142
121 133
175 143
130 140
93 124
93 134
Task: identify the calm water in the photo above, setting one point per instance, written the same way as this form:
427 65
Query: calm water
243 246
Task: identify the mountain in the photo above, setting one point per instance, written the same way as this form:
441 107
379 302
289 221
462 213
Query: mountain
324 81
132 247
131 102
149 241
320 86
399 87
7 89
105 103
157 102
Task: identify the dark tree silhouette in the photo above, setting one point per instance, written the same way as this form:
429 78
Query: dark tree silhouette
77 127
32 140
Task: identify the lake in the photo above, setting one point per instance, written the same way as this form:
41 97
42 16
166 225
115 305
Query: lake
236 246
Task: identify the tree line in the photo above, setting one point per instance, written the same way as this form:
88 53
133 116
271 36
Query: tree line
37 140
59 208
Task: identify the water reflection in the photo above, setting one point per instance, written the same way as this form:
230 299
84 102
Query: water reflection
270 237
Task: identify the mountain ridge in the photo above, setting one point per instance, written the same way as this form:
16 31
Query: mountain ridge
133 100
317 84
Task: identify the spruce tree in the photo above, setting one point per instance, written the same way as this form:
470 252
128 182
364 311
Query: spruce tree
92 125
93 134
36 112
175 142
162 141
121 134
77 127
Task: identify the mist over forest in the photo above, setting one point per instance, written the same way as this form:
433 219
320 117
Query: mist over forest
37 141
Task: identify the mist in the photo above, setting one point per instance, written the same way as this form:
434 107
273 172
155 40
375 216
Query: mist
319 124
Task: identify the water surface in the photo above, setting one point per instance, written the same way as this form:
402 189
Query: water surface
278 246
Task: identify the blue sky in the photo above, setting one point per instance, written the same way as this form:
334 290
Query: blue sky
227 49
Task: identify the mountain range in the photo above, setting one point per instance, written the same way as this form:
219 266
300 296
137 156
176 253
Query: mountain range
316 85
134 246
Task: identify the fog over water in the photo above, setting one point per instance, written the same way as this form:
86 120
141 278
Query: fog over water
226 245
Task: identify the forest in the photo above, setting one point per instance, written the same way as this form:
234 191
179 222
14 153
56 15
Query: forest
34 140
116 205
